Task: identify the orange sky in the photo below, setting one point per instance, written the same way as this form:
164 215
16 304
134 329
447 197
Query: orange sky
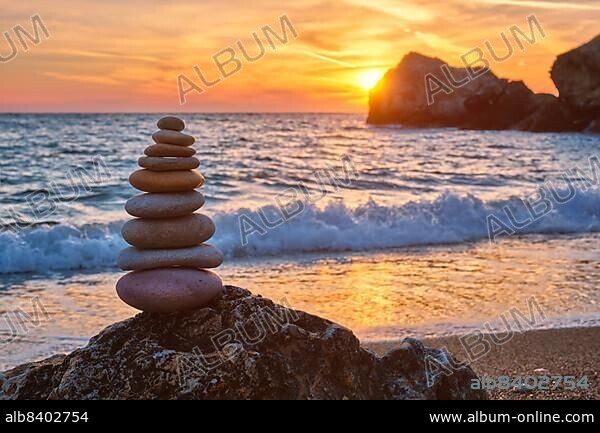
126 55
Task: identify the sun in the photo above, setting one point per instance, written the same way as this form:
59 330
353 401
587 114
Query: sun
369 78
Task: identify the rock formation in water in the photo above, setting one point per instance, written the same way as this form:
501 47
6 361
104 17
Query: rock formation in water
427 92
577 78
238 347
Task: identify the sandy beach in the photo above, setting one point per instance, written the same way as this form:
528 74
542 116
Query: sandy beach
563 352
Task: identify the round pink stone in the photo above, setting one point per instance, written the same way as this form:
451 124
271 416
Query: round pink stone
169 289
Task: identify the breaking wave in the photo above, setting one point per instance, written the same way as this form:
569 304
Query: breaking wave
448 219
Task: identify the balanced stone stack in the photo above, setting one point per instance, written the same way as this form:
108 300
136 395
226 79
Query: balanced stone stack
169 257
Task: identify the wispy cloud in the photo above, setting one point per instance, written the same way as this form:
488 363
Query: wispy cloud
326 58
88 79
438 42
407 11
545 4
100 54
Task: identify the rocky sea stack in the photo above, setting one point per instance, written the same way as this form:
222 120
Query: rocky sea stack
476 99
238 347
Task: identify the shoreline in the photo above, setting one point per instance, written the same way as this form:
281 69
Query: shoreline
548 352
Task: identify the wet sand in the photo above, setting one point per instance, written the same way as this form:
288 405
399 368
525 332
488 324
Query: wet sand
563 352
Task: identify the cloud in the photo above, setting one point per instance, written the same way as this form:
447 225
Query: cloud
100 54
88 79
327 58
408 11
541 4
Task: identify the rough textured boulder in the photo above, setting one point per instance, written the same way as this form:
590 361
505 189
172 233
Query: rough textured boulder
576 75
501 110
484 101
548 114
402 96
426 92
594 127
241 347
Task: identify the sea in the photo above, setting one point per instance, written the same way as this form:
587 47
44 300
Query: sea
390 231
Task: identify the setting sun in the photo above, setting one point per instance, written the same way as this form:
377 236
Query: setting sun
369 79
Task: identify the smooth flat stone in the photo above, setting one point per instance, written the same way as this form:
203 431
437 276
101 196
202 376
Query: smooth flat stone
169 290
202 257
168 164
166 181
183 232
164 136
169 150
172 123
168 205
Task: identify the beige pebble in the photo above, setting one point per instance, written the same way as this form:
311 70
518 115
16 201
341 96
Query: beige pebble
183 232
169 150
169 290
172 123
166 181
166 205
201 257
168 164
164 136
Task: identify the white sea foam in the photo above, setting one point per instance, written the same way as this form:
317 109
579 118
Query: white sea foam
335 228
61 247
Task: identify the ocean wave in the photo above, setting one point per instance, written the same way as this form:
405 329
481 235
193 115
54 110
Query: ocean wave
336 227
59 247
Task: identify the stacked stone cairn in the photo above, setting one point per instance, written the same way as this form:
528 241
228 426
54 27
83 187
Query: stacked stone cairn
168 254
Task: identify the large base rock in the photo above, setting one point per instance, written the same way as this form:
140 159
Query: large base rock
241 347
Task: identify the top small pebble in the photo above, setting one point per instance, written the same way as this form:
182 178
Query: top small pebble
171 123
